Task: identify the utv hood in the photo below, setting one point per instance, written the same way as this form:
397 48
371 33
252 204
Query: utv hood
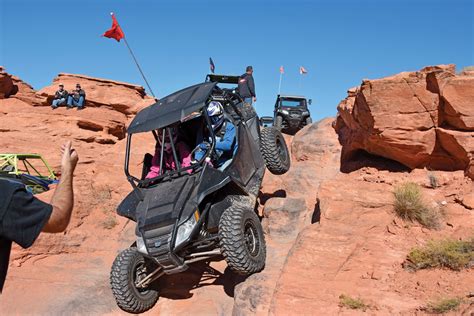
171 109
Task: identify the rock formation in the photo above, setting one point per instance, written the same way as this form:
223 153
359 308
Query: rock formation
121 96
327 232
6 84
420 119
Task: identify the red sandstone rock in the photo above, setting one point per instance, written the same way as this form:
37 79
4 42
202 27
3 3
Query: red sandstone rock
458 97
6 84
405 118
25 92
359 246
356 248
123 97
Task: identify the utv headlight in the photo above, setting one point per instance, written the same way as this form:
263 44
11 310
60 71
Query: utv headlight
185 229
305 113
141 245
285 112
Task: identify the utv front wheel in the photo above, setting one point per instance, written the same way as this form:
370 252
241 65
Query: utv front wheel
241 240
129 268
274 151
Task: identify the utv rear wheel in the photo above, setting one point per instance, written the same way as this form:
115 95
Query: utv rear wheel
279 122
129 268
309 120
241 240
274 151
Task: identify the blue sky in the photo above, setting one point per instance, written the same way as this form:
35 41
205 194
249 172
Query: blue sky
338 42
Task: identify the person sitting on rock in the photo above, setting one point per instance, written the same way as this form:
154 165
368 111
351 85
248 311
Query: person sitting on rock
224 132
60 97
77 98
182 152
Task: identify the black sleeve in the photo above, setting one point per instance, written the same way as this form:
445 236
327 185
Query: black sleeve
24 218
82 93
56 95
251 85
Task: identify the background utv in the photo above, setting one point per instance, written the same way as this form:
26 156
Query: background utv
186 217
291 113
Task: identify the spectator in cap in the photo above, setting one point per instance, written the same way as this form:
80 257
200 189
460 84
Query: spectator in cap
247 86
60 97
77 98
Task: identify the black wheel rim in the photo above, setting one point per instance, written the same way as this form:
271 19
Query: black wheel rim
252 241
139 272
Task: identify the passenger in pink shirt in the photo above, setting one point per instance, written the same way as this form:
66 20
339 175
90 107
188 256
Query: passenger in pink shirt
182 151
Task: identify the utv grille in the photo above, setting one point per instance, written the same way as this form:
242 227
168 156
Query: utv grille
158 240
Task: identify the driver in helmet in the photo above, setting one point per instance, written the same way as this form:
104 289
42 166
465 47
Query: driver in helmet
182 152
224 131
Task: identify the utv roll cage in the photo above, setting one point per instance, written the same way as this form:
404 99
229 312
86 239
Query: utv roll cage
179 107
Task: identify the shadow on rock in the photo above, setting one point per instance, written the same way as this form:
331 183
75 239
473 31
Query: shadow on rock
201 274
316 217
264 197
360 159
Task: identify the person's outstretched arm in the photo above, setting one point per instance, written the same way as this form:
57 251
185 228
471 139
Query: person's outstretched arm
63 198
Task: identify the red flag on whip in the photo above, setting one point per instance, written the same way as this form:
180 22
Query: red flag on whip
115 31
282 70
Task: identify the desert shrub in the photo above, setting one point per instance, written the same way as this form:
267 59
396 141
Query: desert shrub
102 198
433 180
352 303
101 194
443 305
446 253
409 205
110 222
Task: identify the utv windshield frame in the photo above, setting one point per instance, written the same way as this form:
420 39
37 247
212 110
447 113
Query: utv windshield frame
280 100
135 182
178 107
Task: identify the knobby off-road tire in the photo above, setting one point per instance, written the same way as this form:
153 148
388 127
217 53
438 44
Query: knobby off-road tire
274 150
309 120
241 240
279 122
122 280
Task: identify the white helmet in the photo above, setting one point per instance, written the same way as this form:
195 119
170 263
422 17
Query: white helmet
215 111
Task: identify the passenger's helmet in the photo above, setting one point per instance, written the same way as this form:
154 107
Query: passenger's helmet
174 137
215 111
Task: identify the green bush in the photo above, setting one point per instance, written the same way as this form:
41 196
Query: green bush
443 305
447 253
409 205
352 303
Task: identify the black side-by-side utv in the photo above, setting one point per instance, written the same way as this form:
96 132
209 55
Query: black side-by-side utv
201 211
291 113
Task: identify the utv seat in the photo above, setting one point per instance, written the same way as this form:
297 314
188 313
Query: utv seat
229 161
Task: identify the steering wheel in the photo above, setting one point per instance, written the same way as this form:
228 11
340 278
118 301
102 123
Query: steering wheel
199 146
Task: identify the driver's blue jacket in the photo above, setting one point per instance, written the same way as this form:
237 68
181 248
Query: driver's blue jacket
224 148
